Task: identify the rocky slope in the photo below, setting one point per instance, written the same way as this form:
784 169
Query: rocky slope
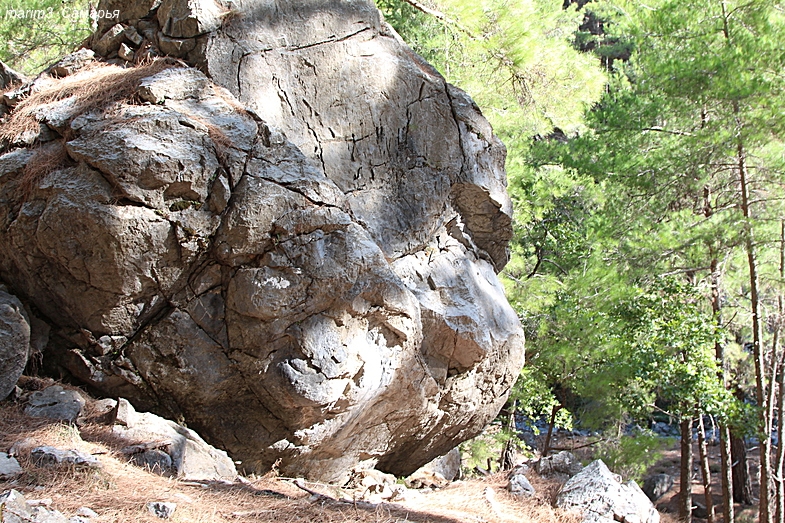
288 239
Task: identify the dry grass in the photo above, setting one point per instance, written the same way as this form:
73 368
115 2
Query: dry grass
221 142
47 158
94 87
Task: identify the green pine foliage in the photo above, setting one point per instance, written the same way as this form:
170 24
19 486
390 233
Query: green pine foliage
35 33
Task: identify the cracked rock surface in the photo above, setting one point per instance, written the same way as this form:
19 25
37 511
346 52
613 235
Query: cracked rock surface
291 243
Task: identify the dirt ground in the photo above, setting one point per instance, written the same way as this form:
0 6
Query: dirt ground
119 491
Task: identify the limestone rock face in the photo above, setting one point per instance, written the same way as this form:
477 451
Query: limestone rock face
14 342
294 250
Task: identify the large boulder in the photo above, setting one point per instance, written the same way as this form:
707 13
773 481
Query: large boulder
603 498
295 252
14 341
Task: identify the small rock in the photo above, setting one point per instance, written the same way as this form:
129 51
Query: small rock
219 195
10 77
161 509
9 467
699 510
426 479
155 460
126 53
13 503
519 485
175 46
448 468
562 463
86 512
192 458
133 36
51 456
72 63
123 413
188 19
110 41
56 403
656 486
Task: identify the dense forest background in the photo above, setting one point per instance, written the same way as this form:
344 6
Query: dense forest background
645 162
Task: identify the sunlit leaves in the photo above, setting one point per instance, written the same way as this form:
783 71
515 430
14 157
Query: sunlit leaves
35 33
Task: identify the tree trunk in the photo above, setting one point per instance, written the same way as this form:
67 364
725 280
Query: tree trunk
761 387
685 483
779 466
507 458
726 469
546 448
705 471
742 483
726 479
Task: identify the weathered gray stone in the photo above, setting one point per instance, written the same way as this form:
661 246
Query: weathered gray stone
519 485
133 36
9 467
127 11
110 41
14 508
72 63
191 458
189 18
438 472
301 259
161 509
14 342
56 403
178 47
9 77
52 457
125 52
656 485
156 461
603 499
564 462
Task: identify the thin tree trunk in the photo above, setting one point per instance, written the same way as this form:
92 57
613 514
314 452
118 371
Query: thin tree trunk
685 482
705 471
780 378
780 464
728 513
742 483
546 448
726 469
761 387
726 477
507 458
